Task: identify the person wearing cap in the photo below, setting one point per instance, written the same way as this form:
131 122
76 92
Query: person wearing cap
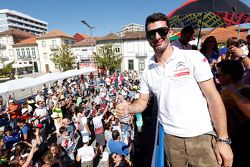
25 114
186 36
86 153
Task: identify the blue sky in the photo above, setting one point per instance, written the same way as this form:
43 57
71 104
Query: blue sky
106 15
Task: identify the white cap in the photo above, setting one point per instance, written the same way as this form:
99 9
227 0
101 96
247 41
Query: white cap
24 110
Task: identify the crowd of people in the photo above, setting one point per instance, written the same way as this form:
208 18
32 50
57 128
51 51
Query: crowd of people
72 123
90 117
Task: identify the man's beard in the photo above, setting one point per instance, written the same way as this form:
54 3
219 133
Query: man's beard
161 48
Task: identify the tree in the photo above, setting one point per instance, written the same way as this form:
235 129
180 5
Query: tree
6 70
3 60
108 59
63 59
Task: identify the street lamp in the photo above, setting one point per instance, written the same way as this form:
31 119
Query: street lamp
91 36
90 27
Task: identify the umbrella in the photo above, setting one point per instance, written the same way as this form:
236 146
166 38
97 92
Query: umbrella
210 13
175 36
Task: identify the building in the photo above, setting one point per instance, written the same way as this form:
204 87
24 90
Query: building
8 39
136 51
79 37
27 56
11 19
48 44
83 51
130 28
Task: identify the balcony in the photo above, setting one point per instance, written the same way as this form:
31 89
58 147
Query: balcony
141 54
54 47
2 46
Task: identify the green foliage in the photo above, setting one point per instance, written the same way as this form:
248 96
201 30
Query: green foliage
6 70
63 59
108 59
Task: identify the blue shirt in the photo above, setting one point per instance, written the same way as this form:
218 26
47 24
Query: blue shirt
10 140
118 147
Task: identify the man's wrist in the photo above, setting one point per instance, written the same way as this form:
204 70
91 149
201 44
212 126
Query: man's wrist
225 140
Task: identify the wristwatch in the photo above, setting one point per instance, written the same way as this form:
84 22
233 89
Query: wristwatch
226 140
242 57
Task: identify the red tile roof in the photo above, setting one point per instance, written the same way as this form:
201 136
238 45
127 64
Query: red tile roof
85 42
17 35
78 37
29 41
110 36
54 33
222 34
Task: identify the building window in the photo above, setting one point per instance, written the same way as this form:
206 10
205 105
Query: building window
43 44
141 64
18 53
23 52
45 56
130 64
33 51
117 50
54 43
28 52
66 42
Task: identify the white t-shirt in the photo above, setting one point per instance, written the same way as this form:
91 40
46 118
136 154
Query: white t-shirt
83 120
97 121
86 153
40 112
182 107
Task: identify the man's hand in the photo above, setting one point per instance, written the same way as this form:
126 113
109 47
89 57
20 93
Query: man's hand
224 154
238 52
122 107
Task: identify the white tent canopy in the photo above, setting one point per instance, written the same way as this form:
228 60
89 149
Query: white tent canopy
18 84
24 83
48 78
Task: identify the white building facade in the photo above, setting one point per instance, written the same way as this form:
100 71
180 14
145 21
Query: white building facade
11 19
136 51
48 44
130 28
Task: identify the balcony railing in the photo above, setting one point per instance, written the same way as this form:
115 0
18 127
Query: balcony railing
54 47
143 54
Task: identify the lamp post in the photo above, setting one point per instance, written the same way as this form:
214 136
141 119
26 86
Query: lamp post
91 36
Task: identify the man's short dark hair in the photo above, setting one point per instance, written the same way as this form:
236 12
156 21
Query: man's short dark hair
20 120
63 129
156 17
248 37
8 128
115 134
187 29
233 68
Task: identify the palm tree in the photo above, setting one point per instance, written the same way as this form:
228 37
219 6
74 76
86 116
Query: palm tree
63 59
